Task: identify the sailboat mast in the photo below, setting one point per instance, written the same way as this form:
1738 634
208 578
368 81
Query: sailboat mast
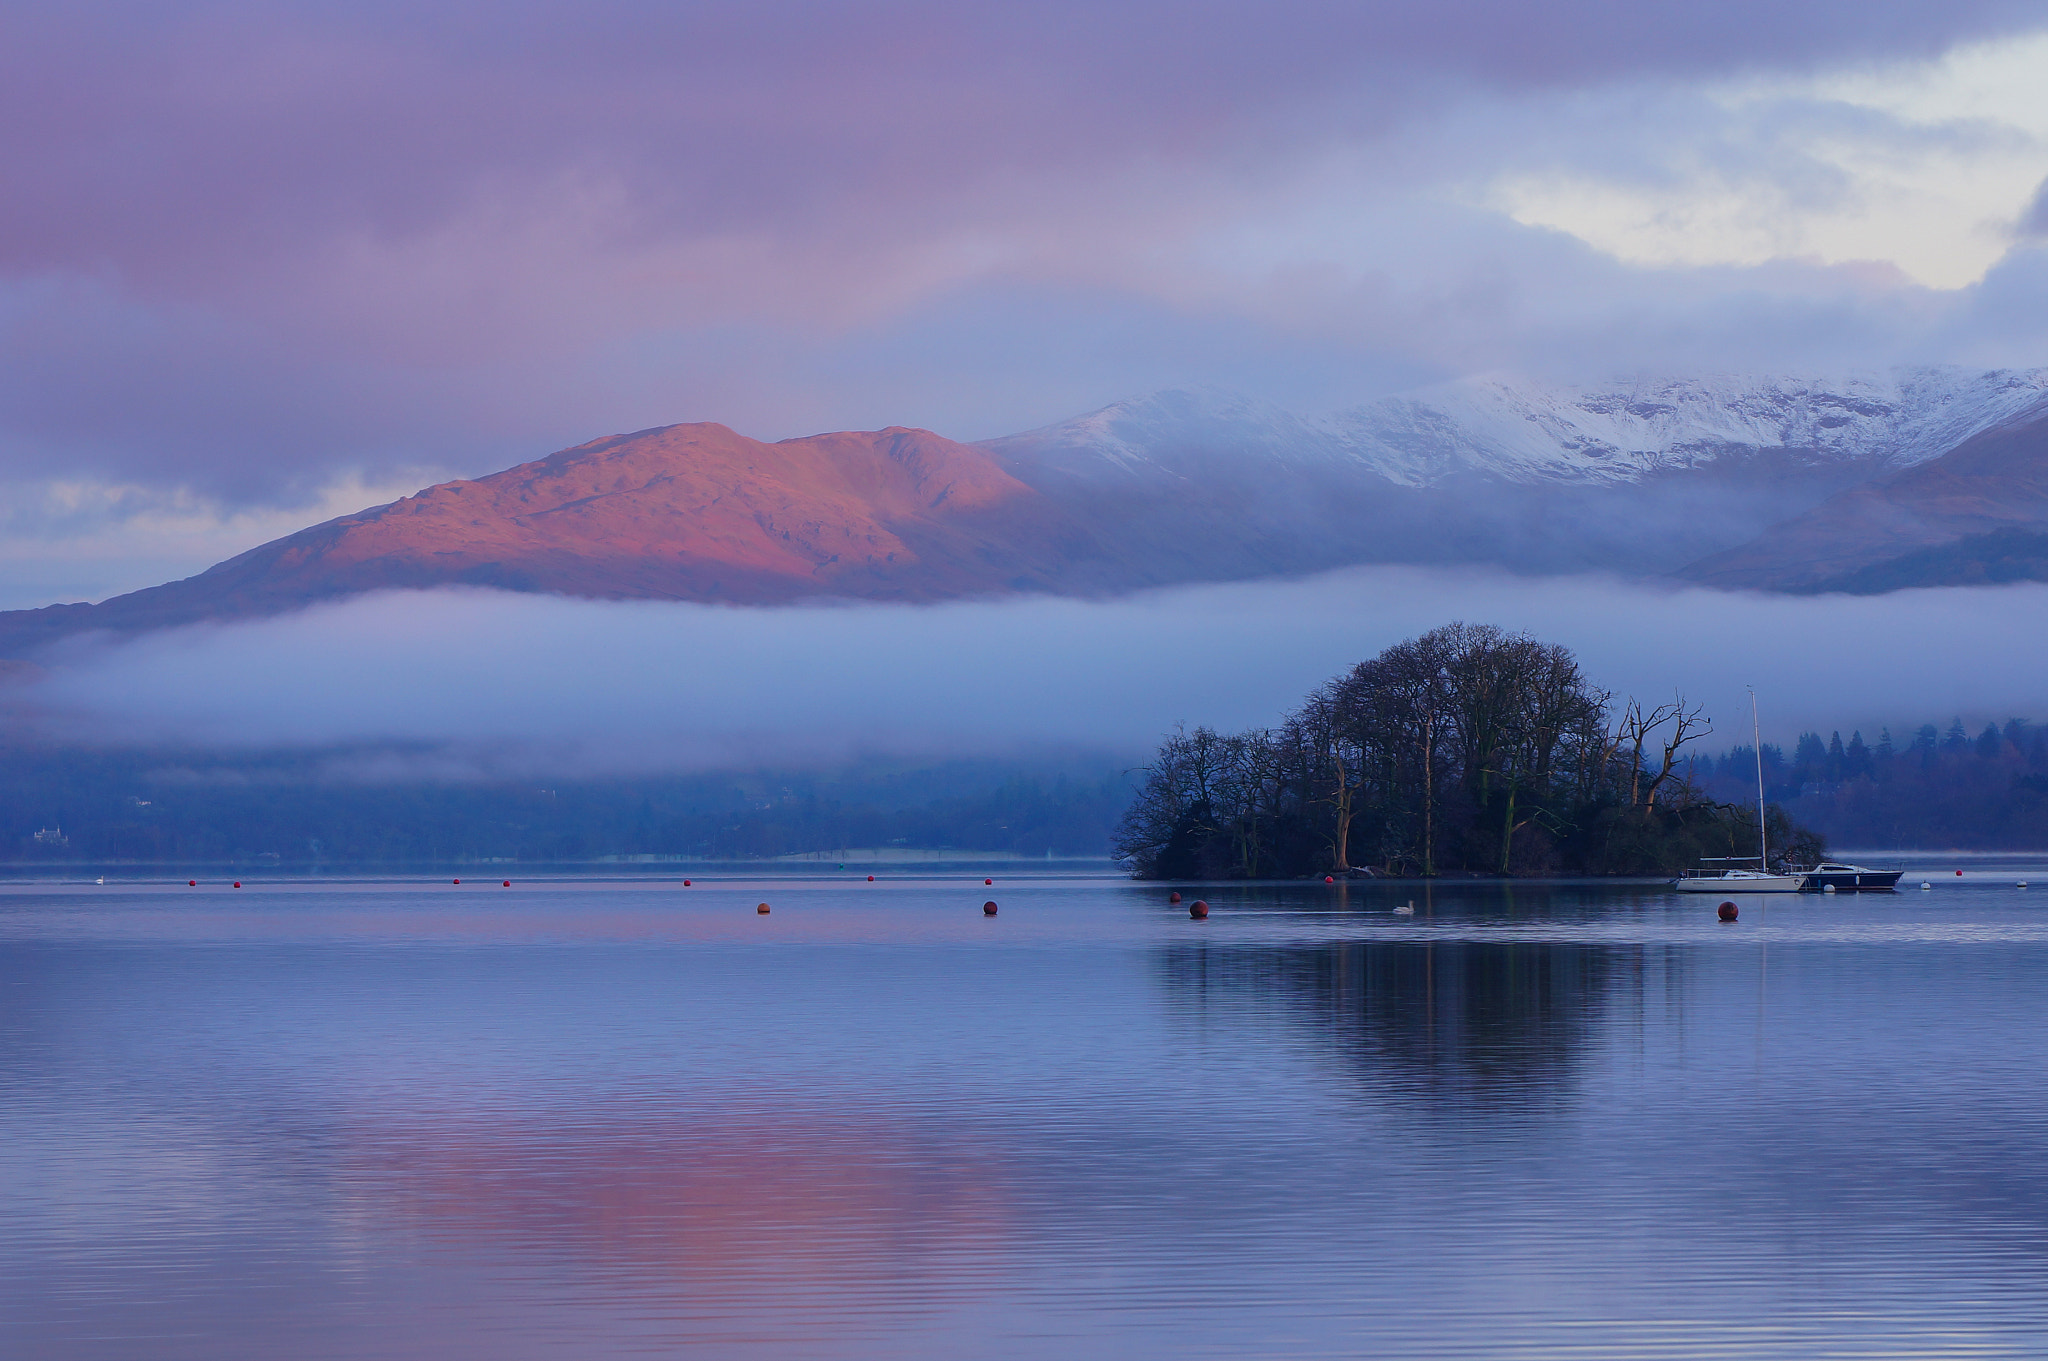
1763 845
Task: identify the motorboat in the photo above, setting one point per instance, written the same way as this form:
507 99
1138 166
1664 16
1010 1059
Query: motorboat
1738 881
1847 878
1760 879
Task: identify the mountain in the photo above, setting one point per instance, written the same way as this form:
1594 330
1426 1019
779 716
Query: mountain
1502 430
1208 485
1998 558
686 512
1634 478
1633 432
1967 515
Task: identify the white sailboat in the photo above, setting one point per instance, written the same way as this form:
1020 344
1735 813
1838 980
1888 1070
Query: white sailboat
1760 879
1737 881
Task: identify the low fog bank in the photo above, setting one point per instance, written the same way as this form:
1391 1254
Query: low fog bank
472 682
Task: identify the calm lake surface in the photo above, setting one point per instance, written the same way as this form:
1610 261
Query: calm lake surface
616 1117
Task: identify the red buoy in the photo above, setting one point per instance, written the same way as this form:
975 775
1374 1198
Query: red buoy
1198 909
192 883
1173 897
1728 912
458 881
1959 874
238 883
762 909
871 878
1329 878
686 883
988 909
988 881
508 883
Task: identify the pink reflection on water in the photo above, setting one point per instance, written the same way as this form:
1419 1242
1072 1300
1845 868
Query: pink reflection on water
696 1227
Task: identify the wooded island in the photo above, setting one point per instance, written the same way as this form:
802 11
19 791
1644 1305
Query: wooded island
1468 750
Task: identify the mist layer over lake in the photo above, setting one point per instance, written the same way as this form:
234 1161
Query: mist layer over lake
601 1117
468 682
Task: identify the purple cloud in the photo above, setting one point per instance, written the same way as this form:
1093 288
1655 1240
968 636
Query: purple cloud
245 245
173 143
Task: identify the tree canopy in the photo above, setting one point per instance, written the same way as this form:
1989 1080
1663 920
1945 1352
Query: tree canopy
1466 750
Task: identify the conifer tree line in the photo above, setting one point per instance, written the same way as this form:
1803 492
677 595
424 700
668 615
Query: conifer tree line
1930 788
1468 750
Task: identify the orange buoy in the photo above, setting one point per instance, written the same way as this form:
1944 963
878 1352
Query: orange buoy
988 909
1198 909
762 909
1173 897
1728 912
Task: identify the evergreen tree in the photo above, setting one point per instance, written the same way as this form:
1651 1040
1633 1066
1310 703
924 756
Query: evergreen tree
1810 759
1924 744
1960 791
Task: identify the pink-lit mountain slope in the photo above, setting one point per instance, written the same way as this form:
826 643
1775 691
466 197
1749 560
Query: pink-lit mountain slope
685 512
1637 480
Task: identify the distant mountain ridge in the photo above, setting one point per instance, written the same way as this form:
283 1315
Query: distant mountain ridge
1974 515
1509 430
1641 478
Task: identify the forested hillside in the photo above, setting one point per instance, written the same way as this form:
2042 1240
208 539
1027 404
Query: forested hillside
66 805
1936 789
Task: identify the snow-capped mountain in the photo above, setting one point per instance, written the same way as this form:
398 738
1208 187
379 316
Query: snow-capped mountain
1518 431
1178 436
1772 482
1621 432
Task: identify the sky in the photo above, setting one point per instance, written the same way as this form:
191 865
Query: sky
260 265
463 684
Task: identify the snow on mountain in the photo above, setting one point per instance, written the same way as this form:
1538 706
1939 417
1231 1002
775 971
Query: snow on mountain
1621 432
1517 431
1175 436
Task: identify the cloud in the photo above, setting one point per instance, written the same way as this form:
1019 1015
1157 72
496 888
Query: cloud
1918 165
471 682
251 247
69 540
2033 223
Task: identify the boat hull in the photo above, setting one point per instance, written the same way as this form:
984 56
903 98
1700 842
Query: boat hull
1749 883
1845 881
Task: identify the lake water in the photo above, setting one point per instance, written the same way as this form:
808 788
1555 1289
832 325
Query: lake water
606 1117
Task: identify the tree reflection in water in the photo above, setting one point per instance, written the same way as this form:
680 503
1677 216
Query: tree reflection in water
1464 1022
